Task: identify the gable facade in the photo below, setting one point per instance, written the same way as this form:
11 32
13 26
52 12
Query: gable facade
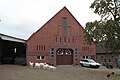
60 41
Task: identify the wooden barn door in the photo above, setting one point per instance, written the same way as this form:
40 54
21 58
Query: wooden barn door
64 56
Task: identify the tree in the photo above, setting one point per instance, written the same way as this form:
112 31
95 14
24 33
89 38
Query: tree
105 32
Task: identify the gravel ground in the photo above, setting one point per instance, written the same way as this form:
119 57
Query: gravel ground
16 72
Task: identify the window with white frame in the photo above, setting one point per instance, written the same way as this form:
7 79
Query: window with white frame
85 57
40 57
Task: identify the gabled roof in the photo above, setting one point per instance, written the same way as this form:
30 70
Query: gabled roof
10 38
53 17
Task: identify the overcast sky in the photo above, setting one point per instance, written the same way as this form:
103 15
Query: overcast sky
20 18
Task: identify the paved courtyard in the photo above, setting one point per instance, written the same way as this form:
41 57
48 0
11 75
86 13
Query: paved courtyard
16 72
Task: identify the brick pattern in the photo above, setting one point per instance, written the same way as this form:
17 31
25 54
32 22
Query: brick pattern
51 35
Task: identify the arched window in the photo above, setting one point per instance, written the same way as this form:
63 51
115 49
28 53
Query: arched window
68 52
60 52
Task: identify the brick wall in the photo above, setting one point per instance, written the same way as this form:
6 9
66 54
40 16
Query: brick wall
52 35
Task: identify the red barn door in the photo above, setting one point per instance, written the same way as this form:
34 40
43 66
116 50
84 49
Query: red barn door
64 56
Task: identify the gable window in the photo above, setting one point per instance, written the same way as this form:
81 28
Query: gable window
65 39
85 48
40 57
41 47
56 39
44 47
37 47
60 40
52 55
65 25
76 56
73 40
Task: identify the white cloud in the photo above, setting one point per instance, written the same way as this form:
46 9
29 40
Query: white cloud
20 18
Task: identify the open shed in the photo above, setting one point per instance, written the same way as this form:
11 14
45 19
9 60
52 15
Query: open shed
12 50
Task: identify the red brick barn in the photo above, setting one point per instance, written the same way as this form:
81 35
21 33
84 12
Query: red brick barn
60 41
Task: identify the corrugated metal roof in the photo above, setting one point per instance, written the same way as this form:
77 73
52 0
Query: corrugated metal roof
10 38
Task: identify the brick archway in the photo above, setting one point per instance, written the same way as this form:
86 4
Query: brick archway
64 56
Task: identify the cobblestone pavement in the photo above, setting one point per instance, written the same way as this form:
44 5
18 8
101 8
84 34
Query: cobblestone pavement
16 72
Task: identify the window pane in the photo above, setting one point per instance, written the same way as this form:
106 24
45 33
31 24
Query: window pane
42 57
52 56
86 56
65 25
52 49
52 52
83 56
38 57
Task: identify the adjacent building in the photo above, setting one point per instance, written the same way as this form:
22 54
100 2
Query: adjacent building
106 58
60 41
